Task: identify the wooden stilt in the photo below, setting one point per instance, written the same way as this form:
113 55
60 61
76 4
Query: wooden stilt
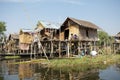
59 49
34 50
31 52
78 47
68 48
20 51
119 46
27 51
51 55
70 76
114 48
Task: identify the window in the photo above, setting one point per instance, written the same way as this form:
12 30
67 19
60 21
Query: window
87 35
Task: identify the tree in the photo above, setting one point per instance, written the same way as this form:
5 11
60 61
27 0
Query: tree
2 27
103 38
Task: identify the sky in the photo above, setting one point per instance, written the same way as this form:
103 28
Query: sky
25 14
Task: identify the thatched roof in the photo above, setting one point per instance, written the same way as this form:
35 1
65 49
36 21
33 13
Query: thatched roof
82 23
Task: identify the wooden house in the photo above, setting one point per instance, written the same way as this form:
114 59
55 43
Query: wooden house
25 39
47 30
84 30
117 38
2 44
12 43
116 43
1 47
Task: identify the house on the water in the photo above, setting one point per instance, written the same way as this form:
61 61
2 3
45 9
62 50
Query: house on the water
84 30
80 31
25 40
12 43
116 44
2 44
117 38
47 30
71 37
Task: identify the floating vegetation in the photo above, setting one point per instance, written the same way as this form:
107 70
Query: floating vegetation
12 57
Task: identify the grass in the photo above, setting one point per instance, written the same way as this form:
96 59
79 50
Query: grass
77 64
32 61
12 57
85 62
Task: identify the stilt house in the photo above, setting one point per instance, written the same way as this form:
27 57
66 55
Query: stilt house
116 44
12 43
25 39
47 30
117 38
83 30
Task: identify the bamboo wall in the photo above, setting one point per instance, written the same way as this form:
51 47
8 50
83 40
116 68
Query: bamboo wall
73 29
25 38
92 34
62 35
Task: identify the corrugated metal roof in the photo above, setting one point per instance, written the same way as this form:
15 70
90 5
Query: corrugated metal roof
50 25
117 35
27 30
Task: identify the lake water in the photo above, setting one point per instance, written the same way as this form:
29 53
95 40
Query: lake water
38 72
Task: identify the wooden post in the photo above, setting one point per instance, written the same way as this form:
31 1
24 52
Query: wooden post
23 51
85 48
94 45
68 48
34 50
31 52
70 76
78 47
81 45
59 49
114 47
59 43
119 46
27 51
51 55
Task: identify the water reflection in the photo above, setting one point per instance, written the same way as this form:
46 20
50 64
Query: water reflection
36 71
26 71
111 73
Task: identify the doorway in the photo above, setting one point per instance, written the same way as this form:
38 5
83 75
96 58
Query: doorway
66 34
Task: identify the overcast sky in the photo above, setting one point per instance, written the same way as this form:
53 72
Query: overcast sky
26 13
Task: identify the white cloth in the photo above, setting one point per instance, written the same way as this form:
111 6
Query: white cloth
93 53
